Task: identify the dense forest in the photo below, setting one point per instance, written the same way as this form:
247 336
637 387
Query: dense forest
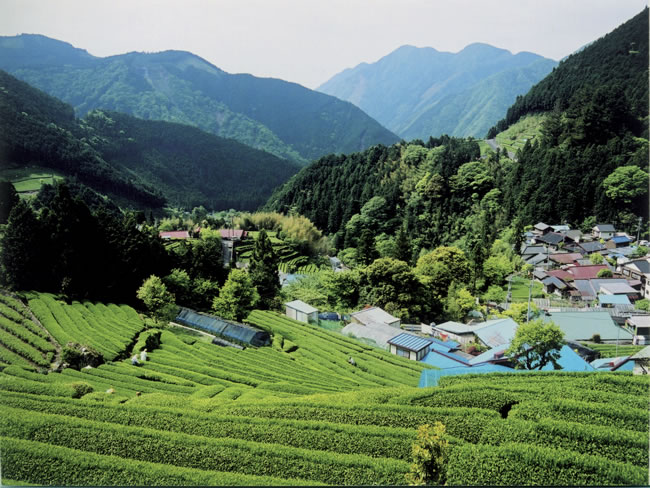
136 162
280 117
589 165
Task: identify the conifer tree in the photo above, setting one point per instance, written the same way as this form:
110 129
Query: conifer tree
264 270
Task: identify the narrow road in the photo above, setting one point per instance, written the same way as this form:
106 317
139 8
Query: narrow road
493 144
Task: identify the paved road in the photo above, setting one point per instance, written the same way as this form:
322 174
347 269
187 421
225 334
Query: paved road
493 144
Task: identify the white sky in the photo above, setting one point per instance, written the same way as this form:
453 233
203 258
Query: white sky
309 41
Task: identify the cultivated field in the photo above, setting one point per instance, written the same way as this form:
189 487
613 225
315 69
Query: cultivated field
294 413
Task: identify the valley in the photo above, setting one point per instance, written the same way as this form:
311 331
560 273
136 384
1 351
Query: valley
441 277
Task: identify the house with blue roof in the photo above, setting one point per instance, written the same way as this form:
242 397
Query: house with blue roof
620 363
618 241
409 346
611 301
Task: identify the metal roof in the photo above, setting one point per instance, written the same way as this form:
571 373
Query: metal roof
449 345
613 299
410 342
586 272
374 314
497 333
455 328
604 228
617 288
556 282
639 320
301 306
621 239
642 354
591 246
581 326
643 265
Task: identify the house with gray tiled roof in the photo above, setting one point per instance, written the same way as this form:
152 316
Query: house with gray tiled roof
603 231
639 270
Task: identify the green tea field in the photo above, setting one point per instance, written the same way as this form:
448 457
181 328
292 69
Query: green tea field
294 413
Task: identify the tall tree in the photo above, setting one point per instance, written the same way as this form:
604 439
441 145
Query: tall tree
403 250
158 300
21 259
537 344
8 199
264 271
367 251
237 297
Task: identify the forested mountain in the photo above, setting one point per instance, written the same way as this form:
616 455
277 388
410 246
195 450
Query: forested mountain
590 165
422 92
593 157
620 57
137 162
283 118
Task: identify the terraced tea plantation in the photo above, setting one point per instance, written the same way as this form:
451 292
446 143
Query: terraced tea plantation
294 413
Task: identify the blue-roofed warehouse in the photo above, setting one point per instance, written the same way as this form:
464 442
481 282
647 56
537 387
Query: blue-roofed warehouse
231 331
409 346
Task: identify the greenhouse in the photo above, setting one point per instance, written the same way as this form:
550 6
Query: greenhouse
230 331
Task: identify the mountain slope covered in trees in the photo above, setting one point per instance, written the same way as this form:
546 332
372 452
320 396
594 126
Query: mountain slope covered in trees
588 166
422 92
283 118
137 162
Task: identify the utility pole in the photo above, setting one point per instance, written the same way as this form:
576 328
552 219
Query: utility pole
530 294
638 230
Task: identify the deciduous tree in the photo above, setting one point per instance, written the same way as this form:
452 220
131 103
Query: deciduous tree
536 344
237 297
264 271
158 300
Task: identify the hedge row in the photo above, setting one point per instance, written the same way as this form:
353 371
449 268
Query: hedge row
10 357
38 463
119 380
26 335
47 319
203 452
617 382
13 314
15 304
21 348
606 441
14 383
126 368
371 441
463 423
526 464
583 413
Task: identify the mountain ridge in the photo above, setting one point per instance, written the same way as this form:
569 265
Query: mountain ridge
287 119
402 86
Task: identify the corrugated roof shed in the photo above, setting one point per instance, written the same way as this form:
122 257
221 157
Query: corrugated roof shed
497 332
374 315
607 364
410 342
224 328
301 306
455 328
445 359
552 238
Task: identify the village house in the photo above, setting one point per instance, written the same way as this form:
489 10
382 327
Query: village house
603 231
640 324
639 270
409 346
174 234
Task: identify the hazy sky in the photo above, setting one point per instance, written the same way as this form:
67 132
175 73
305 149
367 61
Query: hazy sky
309 41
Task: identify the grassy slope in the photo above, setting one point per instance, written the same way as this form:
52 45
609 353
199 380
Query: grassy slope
297 412
526 129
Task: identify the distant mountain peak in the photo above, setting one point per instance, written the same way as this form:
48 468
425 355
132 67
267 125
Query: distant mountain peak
419 92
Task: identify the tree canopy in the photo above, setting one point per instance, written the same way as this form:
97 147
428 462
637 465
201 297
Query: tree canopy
536 344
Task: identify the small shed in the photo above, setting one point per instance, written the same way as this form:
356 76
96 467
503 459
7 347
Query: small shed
301 311
641 326
409 346
603 231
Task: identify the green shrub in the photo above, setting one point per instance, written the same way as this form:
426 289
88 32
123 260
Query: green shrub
81 388
525 464
37 463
